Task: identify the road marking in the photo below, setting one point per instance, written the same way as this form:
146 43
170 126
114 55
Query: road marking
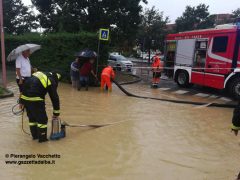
181 92
164 89
213 96
202 95
225 99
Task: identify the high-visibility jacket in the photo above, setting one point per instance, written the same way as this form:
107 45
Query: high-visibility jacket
156 65
108 71
36 88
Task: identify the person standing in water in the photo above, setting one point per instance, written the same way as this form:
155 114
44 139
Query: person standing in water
33 98
236 119
74 73
106 78
85 71
24 69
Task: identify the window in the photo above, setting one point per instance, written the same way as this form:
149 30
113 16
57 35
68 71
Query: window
113 58
220 44
201 44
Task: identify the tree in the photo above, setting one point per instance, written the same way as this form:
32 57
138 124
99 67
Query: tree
236 13
18 19
152 29
90 15
195 18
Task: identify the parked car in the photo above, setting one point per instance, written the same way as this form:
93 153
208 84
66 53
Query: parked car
120 63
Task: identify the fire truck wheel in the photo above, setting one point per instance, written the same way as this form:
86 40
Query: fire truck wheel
183 79
234 88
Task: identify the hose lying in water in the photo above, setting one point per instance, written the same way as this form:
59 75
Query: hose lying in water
19 112
92 125
173 101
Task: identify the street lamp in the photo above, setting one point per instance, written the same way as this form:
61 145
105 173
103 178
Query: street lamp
4 76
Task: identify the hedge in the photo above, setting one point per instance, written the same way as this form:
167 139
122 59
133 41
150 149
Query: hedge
58 49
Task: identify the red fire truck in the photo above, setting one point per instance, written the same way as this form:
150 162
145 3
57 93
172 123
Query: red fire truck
209 57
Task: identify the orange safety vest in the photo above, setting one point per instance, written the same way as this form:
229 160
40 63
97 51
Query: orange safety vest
157 65
108 71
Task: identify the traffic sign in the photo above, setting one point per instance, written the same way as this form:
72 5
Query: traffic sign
104 34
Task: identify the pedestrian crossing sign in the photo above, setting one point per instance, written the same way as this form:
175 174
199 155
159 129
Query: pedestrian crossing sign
104 34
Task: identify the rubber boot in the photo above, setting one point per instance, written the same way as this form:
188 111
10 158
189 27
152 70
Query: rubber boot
42 135
34 132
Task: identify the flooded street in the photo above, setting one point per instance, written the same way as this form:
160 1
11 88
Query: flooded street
157 140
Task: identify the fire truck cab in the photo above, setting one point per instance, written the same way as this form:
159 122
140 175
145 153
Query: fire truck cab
209 57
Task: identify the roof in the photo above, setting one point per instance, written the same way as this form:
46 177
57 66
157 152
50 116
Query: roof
225 28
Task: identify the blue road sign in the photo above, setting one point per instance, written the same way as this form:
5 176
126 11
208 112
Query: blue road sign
104 34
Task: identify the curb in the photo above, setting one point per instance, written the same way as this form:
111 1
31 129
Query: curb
8 94
131 82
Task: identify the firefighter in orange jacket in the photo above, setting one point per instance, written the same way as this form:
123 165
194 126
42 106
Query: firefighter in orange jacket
156 68
106 77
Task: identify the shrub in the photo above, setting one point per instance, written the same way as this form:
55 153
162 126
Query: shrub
58 49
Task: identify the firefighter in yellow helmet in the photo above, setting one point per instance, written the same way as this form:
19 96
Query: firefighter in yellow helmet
33 99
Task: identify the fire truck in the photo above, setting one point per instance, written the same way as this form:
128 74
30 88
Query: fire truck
208 57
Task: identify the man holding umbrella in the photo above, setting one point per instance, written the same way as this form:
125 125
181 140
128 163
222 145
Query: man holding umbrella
24 69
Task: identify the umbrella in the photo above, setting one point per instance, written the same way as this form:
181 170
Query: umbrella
86 53
16 52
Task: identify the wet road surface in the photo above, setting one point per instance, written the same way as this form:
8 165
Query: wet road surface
158 140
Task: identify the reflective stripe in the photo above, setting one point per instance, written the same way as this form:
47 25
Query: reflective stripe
59 76
31 98
43 78
42 125
56 111
33 124
235 127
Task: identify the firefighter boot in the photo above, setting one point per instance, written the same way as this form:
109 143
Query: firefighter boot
42 135
34 132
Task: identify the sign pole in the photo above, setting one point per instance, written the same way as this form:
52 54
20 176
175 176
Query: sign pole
103 36
4 76
98 55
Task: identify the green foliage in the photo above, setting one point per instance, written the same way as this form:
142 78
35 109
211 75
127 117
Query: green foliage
18 19
90 15
58 49
152 30
195 18
236 13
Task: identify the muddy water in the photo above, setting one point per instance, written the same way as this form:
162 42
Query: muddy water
158 140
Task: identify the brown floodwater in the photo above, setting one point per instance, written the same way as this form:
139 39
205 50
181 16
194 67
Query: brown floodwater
157 140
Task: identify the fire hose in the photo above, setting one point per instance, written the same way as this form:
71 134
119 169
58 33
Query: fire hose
170 100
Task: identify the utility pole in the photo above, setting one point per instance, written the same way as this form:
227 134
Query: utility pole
4 76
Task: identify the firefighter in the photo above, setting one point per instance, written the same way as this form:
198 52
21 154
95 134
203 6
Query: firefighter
33 99
156 68
236 119
106 78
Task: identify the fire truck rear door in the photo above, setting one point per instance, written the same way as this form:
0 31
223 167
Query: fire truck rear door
185 52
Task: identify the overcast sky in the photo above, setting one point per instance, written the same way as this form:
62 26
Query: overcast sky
175 8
